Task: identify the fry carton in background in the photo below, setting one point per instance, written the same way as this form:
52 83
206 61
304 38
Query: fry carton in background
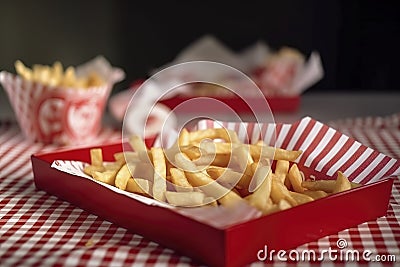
61 115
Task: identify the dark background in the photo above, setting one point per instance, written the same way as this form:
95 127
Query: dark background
358 40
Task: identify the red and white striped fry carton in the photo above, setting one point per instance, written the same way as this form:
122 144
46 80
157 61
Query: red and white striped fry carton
60 115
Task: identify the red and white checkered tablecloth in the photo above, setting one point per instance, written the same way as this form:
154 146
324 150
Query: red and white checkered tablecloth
37 229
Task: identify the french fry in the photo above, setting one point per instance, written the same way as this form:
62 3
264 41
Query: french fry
243 157
315 194
260 196
227 135
282 205
226 175
281 170
324 185
279 192
221 160
193 152
180 181
258 152
89 169
295 178
301 198
137 143
96 157
160 174
342 183
184 138
139 186
107 177
127 156
185 199
207 184
122 177
320 185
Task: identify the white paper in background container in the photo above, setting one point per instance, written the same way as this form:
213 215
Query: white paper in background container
353 162
209 48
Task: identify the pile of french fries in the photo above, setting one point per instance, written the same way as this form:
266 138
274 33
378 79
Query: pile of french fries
212 167
55 76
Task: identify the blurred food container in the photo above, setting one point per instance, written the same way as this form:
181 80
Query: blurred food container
281 76
61 114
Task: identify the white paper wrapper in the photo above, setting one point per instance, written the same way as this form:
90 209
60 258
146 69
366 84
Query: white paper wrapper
325 151
208 48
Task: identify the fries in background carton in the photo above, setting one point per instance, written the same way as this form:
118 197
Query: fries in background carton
57 106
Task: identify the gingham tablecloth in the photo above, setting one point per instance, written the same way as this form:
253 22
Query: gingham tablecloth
37 229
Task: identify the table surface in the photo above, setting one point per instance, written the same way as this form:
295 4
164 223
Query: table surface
37 229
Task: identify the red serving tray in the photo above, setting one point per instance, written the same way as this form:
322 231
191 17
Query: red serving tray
233 246
276 104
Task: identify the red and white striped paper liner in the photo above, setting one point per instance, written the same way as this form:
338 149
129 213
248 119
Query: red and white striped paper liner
325 150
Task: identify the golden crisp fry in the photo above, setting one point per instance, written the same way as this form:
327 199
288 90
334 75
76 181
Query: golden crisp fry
259 198
279 192
96 157
107 177
282 205
218 133
301 198
114 166
180 181
122 177
139 186
221 160
137 143
184 138
257 152
209 186
129 156
243 157
89 169
193 152
226 175
160 173
185 199
295 178
324 185
281 169
342 183
315 194
320 185
23 71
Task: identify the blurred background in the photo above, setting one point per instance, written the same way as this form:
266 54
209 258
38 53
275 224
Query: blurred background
358 40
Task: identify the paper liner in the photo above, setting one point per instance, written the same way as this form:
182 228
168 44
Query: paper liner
325 151
375 122
60 115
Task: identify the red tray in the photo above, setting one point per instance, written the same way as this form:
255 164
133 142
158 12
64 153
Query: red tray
233 246
276 104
